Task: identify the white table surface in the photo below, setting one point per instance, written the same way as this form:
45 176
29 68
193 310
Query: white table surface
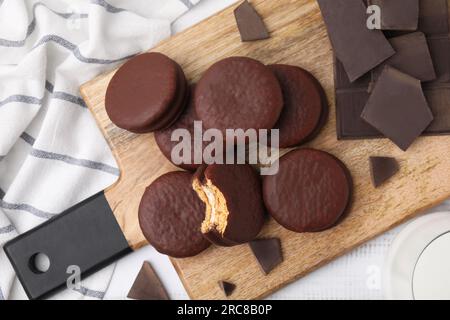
357 275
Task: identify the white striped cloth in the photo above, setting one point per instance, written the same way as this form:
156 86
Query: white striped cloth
52 154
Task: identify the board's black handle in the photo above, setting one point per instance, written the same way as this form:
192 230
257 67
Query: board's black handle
86 236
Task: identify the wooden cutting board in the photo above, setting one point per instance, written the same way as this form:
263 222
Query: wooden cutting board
299 38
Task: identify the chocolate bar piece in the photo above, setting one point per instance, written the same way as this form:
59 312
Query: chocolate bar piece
227 288
412 57
356 46
398 14
268 253
433 17
382 169
349 106
350 125
147 285
342 81
397 108
250 24
439 101
440 53
352 97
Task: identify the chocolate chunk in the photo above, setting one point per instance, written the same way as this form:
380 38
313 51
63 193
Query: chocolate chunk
350 125
412 57
147 285
439 101
351 98
227 288
349 106
433 17
382 169
398 14
357 47
234 207
268 253
397 108
440 54
342 81
250 24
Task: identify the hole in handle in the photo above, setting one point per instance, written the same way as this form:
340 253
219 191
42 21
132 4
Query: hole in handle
39 263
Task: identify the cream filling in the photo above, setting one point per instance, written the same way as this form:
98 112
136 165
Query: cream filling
216 214
212 204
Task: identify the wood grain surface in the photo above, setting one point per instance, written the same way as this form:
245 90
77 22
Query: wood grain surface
298 37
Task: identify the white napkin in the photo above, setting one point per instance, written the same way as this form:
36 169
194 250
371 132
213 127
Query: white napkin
52 154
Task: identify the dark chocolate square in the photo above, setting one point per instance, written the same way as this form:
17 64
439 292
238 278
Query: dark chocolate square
342 81
351 98
398 14
355 45
439 102
433 17
268 253
350 125
397 108
349 106
412 57
440 54
249 22
147 285
227 288
382 169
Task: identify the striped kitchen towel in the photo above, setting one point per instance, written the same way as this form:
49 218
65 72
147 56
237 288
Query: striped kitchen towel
52 154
